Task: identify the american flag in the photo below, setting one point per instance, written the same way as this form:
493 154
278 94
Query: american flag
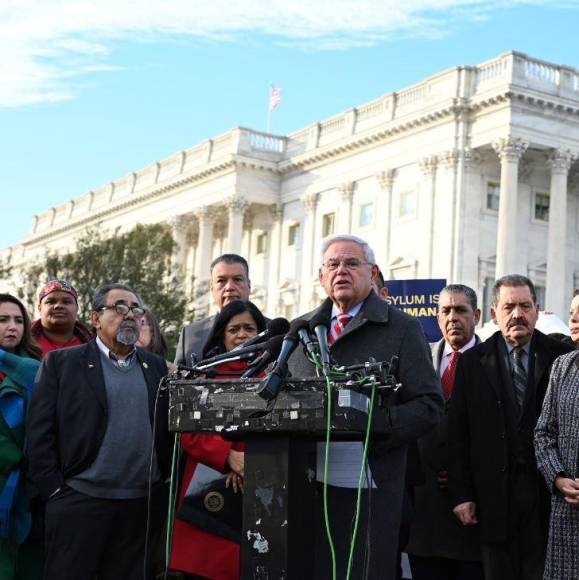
274 97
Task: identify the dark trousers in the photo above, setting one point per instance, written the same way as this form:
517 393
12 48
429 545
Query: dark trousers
376 547
522 556
88 537
444 569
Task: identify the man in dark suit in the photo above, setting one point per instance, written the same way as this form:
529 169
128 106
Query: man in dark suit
229 281
498 394
363 326
92 450
440 548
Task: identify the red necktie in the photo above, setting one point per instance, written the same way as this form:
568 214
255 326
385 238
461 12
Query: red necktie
337 327
449 375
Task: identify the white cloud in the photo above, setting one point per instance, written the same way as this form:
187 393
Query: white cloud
44 43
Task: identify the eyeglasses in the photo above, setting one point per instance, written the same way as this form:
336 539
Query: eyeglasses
348 263
123 309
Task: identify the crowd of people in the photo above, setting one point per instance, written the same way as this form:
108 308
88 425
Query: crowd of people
477 477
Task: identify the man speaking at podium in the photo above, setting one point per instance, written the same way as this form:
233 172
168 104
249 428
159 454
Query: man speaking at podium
363 326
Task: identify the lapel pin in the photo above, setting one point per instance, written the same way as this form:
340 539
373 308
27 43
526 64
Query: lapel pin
90 365
145 365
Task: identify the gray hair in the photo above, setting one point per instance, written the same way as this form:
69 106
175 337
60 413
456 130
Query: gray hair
99 296
462 289
513 281
231 259
368 251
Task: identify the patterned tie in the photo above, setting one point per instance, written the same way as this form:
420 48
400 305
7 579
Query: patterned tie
449 375
519 375
338 326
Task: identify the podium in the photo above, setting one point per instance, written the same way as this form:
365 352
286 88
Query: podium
279 502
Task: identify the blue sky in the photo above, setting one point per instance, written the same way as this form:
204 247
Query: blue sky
91 90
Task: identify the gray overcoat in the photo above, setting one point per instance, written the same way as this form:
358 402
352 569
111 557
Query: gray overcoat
557 449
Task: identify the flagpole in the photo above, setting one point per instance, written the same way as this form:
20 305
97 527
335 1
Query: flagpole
268 130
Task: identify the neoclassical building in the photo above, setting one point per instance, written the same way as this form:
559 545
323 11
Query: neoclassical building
467 175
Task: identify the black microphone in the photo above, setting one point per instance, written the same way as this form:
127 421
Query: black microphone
271 352
271 385
274 327
306 339
320 324
239 354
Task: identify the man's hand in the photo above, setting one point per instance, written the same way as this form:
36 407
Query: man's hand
235 460
569 488
465 512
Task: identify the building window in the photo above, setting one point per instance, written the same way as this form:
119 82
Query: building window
493 191
288 311
328 222
407 204
540 291
293 235
489 284
542 206
262 243
366 215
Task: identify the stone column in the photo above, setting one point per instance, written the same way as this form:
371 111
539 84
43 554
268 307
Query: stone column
310 202
510 151
206 219
346 191
276 259
428 169
384 215
559 162
180 225
236 207
446 216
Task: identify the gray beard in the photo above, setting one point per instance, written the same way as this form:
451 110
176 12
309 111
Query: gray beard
128 336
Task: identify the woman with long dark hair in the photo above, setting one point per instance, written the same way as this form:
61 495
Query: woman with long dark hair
19 361
197 552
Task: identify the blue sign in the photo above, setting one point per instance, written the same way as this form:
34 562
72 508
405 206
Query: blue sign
418 298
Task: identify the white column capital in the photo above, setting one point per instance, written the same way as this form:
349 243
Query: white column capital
428 165
205 214
236 203
560 160
449 159
510 148
471 157
346 190
310 201
180 223
386 179
276 211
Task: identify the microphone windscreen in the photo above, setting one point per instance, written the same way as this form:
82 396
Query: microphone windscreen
296 325
273 346
320 319
277 326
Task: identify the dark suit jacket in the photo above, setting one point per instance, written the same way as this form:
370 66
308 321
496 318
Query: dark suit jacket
435 531
482 444
192 340
68 414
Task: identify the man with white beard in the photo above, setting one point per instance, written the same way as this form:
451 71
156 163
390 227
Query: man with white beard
90 442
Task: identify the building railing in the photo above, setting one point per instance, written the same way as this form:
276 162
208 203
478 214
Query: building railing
509 70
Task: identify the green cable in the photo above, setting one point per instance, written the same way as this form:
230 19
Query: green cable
360 479
325 488
171 508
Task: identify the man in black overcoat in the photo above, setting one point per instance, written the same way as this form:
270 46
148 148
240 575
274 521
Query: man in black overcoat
499 390
363 326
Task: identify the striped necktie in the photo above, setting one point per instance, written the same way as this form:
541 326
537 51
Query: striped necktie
338 326
519 375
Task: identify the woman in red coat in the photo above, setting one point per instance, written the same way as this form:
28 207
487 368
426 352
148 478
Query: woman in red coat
198 553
